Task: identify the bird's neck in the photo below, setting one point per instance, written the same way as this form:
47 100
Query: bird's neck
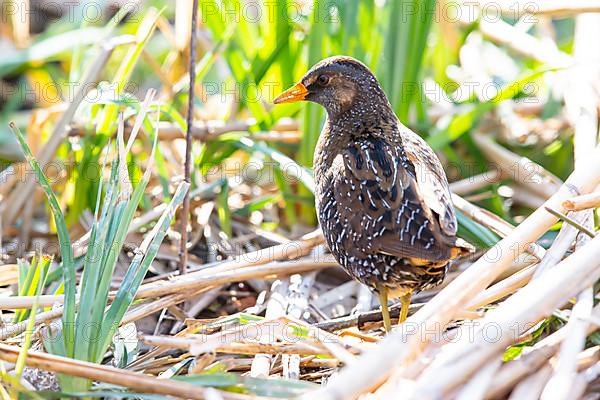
361 120
364 117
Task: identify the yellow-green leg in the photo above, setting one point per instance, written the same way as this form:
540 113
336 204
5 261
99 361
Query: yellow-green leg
405 302
385 312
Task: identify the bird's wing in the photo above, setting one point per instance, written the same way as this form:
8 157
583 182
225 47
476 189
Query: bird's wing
431 179
386 205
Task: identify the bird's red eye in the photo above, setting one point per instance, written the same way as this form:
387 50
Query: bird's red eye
323 80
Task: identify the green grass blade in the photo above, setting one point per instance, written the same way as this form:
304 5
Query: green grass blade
65 244
137 270
43 265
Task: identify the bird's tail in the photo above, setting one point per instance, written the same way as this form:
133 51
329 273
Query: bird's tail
462 248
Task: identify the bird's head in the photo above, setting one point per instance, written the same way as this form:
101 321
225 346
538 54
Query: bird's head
337 83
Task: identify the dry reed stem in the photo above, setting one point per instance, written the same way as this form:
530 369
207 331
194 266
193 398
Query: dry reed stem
532 359
253 348
17 198
531 387
519 169
493 222
9 274
542 297
11 330
476 182
476 387
241 267
185 208
502 288
505 34
556 8
562 381
482 216
102 373
581 104
157 305
583 202
208 130
399 348
247 266
276 308
199 282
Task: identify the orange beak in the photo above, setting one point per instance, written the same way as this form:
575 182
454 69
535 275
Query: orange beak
295 93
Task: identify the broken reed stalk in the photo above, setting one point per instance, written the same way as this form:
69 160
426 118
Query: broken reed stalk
252 348
583 202
158 305
542 296
10 330
185 212
282 131
103 373
402 347
244 267
532 359
258 264
276 308
582 110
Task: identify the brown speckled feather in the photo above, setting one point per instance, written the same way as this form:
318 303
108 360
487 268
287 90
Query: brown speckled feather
432 180
383 200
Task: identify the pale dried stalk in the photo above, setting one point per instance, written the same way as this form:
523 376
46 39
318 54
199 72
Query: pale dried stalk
11 330
247 266
284 131
581 103
542 297
18 302
518 168
562 381
583 379
482 216
531 360
399 348
297 299
9 274
531 387
583 202
157 305
475 388
493 222
17 198
561 245
555 8
276 307
275 348
503 288
241 267
476 182
199 282
523 196
523 43
133 380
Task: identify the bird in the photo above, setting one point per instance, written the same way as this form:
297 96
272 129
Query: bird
381 194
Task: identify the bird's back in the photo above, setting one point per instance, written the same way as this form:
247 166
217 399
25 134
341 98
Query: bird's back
384 205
